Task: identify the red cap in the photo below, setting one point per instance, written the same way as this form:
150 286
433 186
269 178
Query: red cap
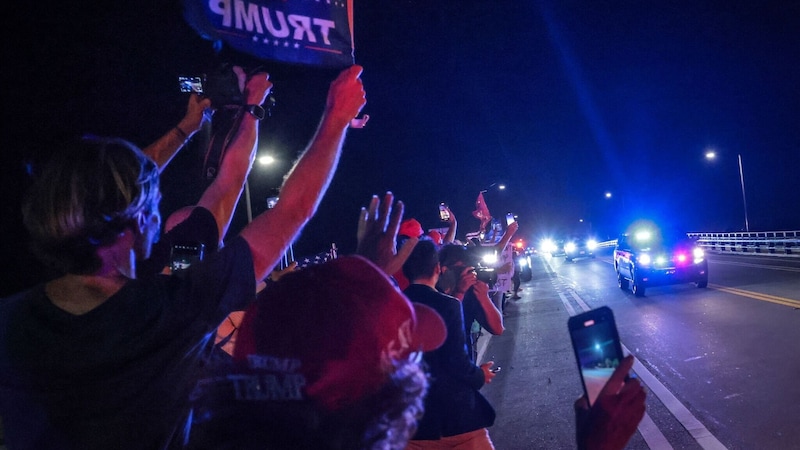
329 333
436 237
411 228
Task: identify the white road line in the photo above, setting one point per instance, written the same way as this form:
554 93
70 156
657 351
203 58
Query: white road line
654 438
579 300
699 432
569 307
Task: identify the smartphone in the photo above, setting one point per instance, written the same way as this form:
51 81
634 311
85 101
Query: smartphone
191 84
184 255
597 348
510 219
444 214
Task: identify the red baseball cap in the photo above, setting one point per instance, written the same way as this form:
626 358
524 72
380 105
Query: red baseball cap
330 333
411 228
436 236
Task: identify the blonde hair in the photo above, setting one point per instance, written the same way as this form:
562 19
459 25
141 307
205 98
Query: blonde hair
87 194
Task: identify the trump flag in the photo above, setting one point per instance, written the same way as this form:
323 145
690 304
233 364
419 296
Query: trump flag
482 211
310 32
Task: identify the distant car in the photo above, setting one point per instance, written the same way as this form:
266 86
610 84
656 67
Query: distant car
649 257
553 246
579 247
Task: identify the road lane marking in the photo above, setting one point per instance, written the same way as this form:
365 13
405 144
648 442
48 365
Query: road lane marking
570 309
696 429
757 296
652 436
650 432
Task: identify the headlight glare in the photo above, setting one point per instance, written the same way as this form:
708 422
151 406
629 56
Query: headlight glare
490 259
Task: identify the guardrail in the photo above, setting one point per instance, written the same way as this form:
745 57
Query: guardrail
769 243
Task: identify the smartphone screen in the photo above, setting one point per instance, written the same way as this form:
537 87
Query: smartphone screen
184 255
191 84
444 214
510 218
597 348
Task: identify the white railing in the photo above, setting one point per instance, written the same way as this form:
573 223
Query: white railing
767 243
770 243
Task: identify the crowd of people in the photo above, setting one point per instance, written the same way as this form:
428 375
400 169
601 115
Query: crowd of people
370 350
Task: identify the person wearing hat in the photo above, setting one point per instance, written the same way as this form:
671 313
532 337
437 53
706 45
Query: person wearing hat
99 358
456 413
326 358
409 229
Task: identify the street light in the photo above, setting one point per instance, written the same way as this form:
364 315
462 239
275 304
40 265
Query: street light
711 155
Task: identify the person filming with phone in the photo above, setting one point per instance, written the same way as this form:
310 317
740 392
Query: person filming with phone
99 358
456 414
613 404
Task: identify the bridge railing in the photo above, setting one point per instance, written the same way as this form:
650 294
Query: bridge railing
770 243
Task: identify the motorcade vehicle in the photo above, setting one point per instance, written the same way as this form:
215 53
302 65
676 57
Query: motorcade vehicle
523 260
552 245
579 247
651 257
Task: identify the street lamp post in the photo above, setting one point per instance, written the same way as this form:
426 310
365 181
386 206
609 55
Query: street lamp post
710 155
744 197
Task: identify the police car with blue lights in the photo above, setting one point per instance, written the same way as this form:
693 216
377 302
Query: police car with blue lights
649 256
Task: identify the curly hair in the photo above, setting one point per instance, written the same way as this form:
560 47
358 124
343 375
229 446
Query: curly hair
385 420
87 194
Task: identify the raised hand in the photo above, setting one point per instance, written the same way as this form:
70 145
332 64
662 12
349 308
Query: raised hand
377 234
612 420
346 95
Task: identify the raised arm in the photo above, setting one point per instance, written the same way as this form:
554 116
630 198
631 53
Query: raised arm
223 193
166 147
271 232
512 228
493 317
452 225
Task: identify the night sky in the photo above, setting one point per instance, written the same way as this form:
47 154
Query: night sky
559 100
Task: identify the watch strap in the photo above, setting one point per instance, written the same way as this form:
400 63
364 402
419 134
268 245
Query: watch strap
256 111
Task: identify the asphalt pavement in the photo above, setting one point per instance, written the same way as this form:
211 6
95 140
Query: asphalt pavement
534 392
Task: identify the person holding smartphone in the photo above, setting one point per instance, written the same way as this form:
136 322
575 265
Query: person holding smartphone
456 413
100 358
612 420
613 404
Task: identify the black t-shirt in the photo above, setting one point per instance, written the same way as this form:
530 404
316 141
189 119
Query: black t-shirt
118 376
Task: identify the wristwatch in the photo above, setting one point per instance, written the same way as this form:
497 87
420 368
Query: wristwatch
256 110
